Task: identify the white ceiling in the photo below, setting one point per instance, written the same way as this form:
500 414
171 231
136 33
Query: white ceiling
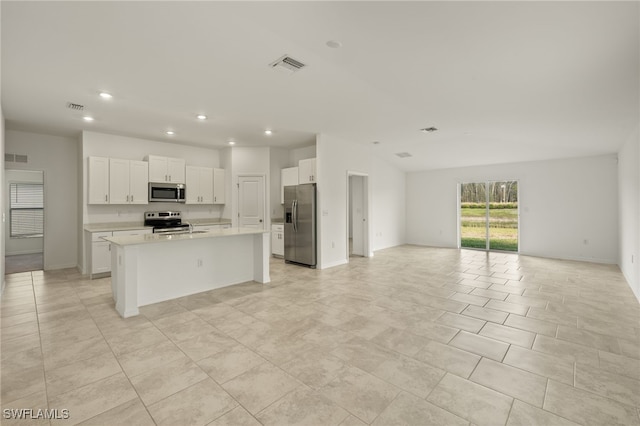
502 81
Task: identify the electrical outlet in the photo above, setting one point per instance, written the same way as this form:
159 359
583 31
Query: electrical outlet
333 244
199 263
585 242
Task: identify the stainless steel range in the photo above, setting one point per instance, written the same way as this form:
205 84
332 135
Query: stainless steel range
165 222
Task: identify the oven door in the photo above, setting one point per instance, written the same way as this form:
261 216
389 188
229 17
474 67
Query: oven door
168 193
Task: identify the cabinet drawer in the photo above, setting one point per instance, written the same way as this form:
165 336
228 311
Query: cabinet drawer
97 236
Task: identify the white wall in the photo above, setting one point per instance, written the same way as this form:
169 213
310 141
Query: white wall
57 157
15 246
105 145
629 210
250 161
278 159
114 146
334 159
389 205
298 154
562 204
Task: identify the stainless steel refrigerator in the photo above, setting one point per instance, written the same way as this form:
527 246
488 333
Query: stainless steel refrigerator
300 224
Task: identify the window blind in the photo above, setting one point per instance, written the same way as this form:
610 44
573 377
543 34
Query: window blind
26 204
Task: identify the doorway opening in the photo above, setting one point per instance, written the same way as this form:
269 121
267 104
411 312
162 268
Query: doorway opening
357 215
489 216
251 205
24 228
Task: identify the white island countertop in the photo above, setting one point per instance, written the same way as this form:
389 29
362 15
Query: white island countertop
152 268
128 240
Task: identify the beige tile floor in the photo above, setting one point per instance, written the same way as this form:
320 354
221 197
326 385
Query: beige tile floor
412 336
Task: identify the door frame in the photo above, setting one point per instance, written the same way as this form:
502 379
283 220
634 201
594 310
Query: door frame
265 210
486 182
365 212
6 212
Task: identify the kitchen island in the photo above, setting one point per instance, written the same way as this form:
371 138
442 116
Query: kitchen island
152 268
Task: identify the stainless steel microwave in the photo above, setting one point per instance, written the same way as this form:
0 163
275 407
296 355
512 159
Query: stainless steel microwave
167 192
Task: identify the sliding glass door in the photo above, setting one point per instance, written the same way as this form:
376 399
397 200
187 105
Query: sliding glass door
489 215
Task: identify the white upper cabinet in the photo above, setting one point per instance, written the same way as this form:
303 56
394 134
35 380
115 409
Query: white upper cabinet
98 185
138 182
199 185
218 186
118 181
128 181
288 176
307 171
166 169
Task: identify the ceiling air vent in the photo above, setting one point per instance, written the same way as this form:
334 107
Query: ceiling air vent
21 158
403 154
288 63
10 158
75 107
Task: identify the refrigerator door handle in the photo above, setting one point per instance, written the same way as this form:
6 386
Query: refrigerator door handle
294 207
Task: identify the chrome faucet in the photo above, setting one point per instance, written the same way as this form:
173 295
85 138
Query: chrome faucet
190 227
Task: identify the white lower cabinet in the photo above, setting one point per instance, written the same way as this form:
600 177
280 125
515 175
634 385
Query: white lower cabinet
100 250
277 240
100 253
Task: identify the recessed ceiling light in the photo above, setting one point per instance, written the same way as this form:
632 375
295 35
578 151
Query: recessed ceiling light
232 143
170 132
376 142
201 117
87 118
403 154
106 95
268 132
334 44
428 129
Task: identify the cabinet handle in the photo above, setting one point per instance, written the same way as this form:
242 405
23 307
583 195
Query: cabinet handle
165 178
169 178
106 198
132 198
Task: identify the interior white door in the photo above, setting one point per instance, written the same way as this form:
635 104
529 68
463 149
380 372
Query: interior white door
251 202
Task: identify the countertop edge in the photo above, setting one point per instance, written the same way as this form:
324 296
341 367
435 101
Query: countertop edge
130 240
132 226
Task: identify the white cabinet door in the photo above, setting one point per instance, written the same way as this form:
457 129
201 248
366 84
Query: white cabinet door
128 182
193 185
100 253
166 169
157 169
199 185
307 171
98 185
100 257
118 181
288 176
218 186
206 185
176 170
277 240
138 182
